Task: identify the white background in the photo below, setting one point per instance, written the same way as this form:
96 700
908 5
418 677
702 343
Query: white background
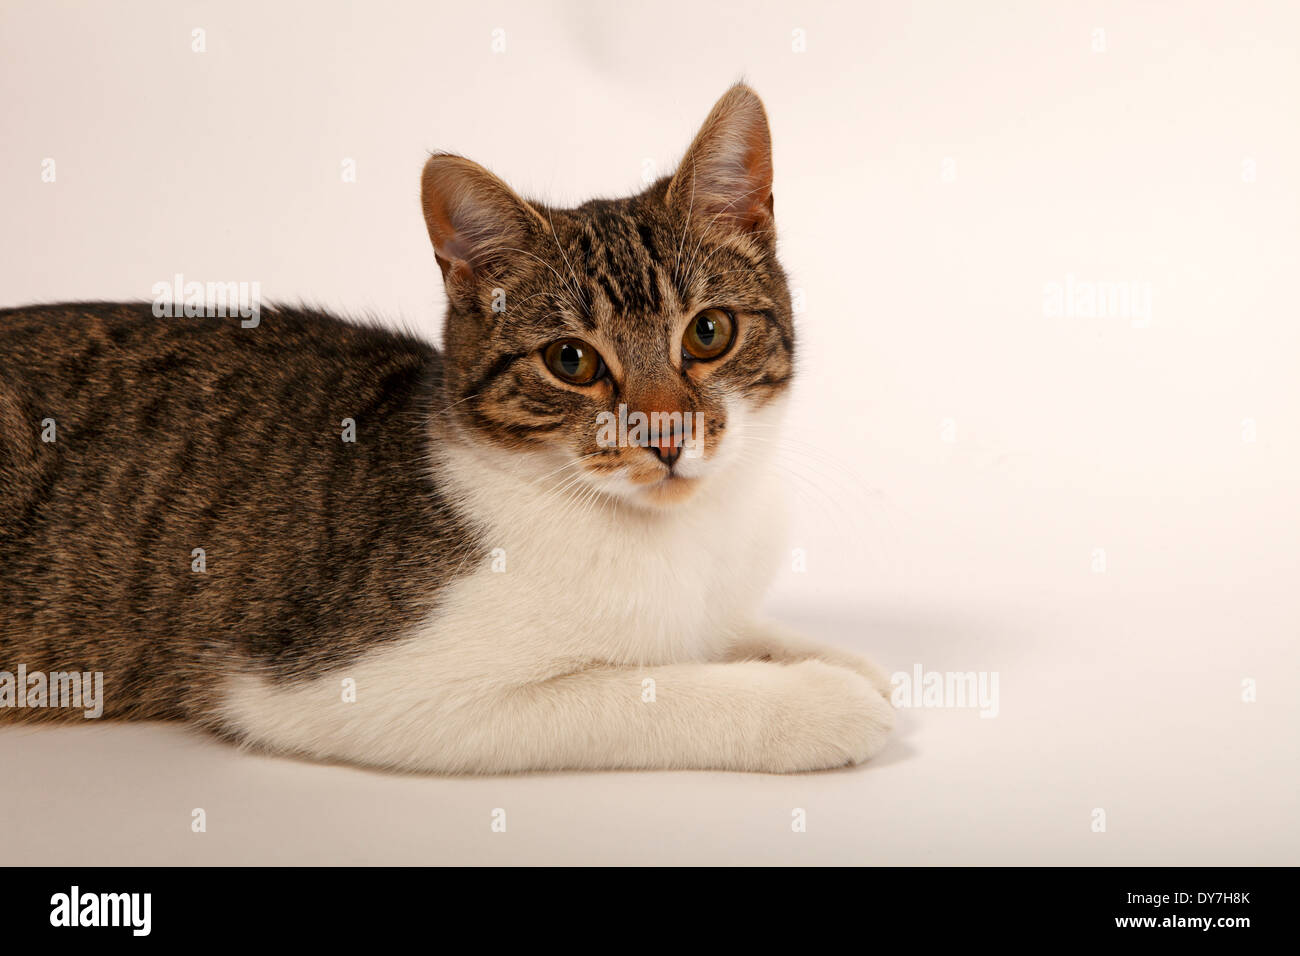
1169 159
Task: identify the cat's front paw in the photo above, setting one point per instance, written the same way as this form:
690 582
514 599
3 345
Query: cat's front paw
773 642
859 665
827 716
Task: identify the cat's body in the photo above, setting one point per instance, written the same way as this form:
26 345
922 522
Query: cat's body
428 561
171 435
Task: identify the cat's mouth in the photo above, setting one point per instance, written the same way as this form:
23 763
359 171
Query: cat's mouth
670 481
669 489
663 488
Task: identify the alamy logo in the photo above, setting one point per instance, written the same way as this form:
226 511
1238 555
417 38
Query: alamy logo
922 688
181 299
1101 299
102 909
79 691
641 429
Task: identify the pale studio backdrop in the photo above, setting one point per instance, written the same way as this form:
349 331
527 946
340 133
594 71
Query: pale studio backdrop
1048 424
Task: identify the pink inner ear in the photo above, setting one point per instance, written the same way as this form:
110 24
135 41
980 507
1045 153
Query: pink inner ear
452 247
472 217
741 190
456 249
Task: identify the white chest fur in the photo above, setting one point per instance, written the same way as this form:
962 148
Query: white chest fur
594 581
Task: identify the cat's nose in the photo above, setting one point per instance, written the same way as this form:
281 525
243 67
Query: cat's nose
666 445
669 451
665 415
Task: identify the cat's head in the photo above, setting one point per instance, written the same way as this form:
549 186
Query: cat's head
625 344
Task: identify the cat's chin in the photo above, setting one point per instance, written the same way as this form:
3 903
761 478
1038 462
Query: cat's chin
659 495
668 492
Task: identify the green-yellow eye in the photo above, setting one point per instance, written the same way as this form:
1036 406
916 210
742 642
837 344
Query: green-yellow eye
573 361
709 334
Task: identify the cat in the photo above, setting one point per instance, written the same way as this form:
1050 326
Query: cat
325 539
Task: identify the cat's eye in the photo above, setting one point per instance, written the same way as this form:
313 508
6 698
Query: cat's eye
709 335
573 361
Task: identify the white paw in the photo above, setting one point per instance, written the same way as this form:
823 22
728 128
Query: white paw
827 716
775 643
860 665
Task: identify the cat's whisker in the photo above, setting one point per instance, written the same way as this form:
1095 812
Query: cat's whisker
597 501
555 272
810 450
813 492
836 471
581 495
584 503
690 208
443 411
568 464
809 455
831 513
699 267
866 504
488 249
803 456
725 272
523 302
567 497
577 286
569 483
706 232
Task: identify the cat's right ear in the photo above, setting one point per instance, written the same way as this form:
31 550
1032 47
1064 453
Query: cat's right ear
475 221
725 179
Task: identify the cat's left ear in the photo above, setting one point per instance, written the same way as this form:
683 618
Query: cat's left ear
476 222
725 179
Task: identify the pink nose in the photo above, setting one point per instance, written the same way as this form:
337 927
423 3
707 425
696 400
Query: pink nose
666 446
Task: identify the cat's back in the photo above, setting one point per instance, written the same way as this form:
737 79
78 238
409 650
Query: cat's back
108 397
79 347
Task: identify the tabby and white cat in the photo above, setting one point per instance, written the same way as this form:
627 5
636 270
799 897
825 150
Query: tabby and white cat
477 581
